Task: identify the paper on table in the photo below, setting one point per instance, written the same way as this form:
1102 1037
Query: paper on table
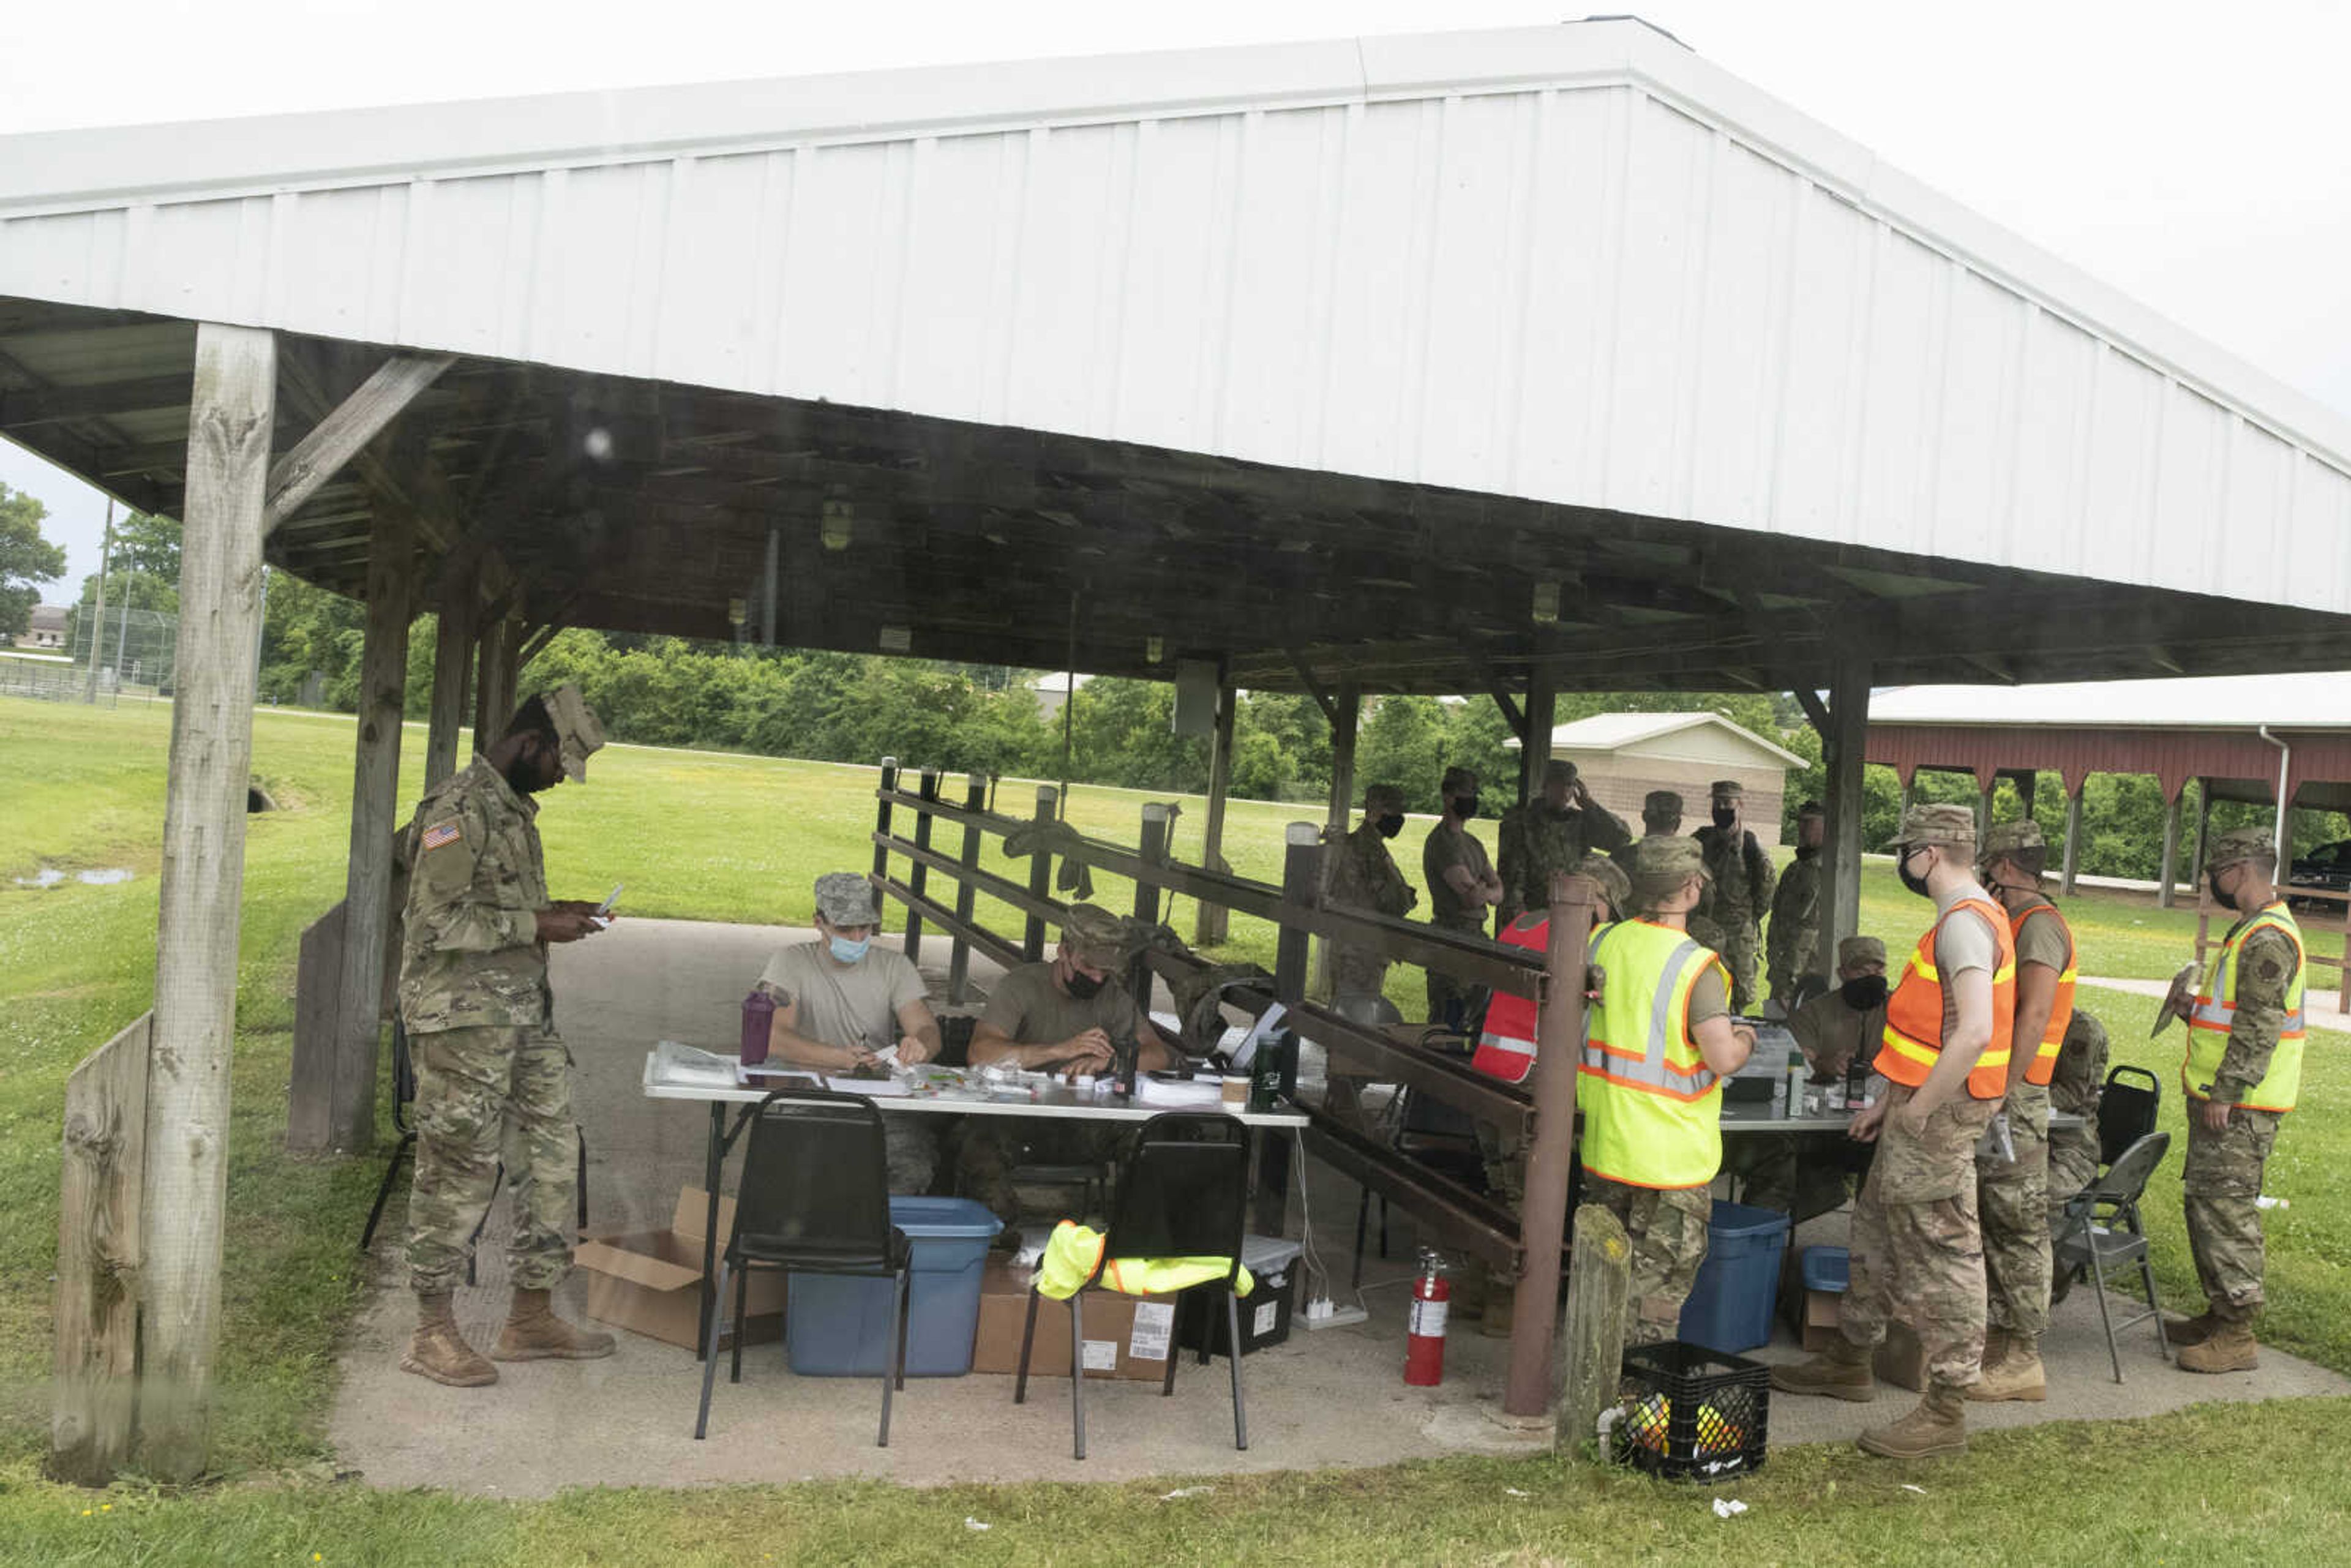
685 1064
876 1088
1184 1093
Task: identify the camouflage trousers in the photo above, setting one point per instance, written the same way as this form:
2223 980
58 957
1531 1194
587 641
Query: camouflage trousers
2072 1165
2220 1181
1667 1228
1444 990
486 1095
993 1146
1354 969
2013 1205
1916 1251
1505 1155
1739 940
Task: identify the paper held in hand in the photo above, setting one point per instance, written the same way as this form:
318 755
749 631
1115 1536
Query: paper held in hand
2177 1001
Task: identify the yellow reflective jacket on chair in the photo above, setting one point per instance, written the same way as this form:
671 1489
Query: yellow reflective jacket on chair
1072 1251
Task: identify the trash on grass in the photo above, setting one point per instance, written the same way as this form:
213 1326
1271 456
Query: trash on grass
1726 1507
1184 1491
971 1523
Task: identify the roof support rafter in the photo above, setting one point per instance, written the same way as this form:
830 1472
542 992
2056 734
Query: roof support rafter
339 436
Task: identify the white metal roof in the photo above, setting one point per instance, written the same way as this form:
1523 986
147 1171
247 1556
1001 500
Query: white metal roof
1649 732
1573 263
2316 701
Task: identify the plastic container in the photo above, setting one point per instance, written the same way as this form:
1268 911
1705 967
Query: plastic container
837 1326
758 1016
1825 1268
1729 1307
1266 1310
1692 1415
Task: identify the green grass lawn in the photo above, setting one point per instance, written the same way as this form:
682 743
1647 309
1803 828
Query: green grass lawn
741 839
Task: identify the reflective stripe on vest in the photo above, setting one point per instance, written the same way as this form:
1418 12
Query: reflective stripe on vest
2043 1066
1506 1047
1914 1013
2215 1014
1652 1108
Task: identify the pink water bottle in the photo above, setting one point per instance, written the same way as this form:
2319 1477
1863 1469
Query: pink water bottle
758 1013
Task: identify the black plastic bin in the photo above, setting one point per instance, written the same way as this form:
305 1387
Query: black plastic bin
1691 1413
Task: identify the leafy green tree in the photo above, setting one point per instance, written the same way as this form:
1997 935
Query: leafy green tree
26 558
1402 742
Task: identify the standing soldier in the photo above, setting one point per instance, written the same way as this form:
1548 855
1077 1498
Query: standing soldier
1461 884
492 1080
1661 817
2073 1088
1740 891
1552 833
1945 1060
1362 873
2243 1074
1661 1041
1792 945
2012 1182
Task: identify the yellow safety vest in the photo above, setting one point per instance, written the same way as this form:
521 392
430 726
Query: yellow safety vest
1652 1108
2216 1014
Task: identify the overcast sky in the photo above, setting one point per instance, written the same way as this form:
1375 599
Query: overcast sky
2193 155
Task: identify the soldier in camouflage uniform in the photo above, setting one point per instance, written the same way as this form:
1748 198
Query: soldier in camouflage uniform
1791 949
1360 871
1462 883
1552 833
2080 1079
493 1079
1915 1246
2237 1096
1661 818
1740 888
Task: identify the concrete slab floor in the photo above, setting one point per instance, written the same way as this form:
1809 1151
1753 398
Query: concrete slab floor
1331 1398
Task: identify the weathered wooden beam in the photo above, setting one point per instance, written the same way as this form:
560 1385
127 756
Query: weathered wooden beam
1314 687
1213 922
1815 710
23 407
453 669
230 419
339 436
93 1400
1592 1343
413 481
1842 745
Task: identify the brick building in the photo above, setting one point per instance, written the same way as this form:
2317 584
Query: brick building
1624 755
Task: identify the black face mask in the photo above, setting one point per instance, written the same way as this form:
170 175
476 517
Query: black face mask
1807 852
1084 987
524 775
1465 806
1863 992
2212 887
1916 885
1390 826
1724 816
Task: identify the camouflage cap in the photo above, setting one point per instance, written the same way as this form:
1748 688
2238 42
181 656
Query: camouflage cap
2006 837
1382 798
846 898
1559 770
1855 951
577 730
2239 844
1093 936
1662 863
1727 789
1457 780
1954 826
1661 803
1613 883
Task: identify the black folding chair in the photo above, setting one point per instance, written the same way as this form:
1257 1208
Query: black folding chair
1428 1131
1184 1194
2101 1231
815 1199
2126 1111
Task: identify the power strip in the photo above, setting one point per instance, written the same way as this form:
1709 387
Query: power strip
1325 1314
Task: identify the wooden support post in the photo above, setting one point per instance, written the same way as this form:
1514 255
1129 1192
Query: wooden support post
1902 804
1591 1345
2166 881
2027 781
1843 752
1302 882
1213 923
1534 751
2073 860
975 798
230 416
453 668
1041 880
1157 818
1559 1032
1984 793
888 781
2204 831
96 1324
1344 713
375 819
494 703
919 876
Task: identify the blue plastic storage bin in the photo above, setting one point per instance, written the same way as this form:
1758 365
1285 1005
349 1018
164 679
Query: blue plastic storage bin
1825 1268
1730 1308
839 1327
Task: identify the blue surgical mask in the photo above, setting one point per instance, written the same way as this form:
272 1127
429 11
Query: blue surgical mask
848 951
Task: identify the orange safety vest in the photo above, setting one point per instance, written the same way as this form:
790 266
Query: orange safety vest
2043 1066
1914 1013
1506 1045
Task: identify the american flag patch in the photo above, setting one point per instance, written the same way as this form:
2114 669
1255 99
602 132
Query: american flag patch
441 833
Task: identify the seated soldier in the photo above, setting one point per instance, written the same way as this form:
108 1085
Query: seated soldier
839 1000
2075 1088
1804 1174
1071 1016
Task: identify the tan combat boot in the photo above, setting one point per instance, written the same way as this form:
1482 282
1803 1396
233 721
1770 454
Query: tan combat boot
533 1333
1939 1425
1995 1348
2190 1330
2230 1348
439 1352
1840 1372
2018 1375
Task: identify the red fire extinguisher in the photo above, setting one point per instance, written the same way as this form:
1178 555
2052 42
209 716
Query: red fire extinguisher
1424 1345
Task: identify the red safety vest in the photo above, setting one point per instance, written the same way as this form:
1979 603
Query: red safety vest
1914 1013
1505 1046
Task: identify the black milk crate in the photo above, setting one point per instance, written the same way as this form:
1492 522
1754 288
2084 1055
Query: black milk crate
1691 1413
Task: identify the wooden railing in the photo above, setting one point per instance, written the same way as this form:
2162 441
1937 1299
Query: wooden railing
99 1255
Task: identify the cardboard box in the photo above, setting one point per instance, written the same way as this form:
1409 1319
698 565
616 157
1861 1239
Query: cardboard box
1901 1359
1126 1336
1812 1314
649 1281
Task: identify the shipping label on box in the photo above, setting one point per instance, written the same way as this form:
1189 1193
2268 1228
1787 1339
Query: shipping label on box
1155 1329
1126 1336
